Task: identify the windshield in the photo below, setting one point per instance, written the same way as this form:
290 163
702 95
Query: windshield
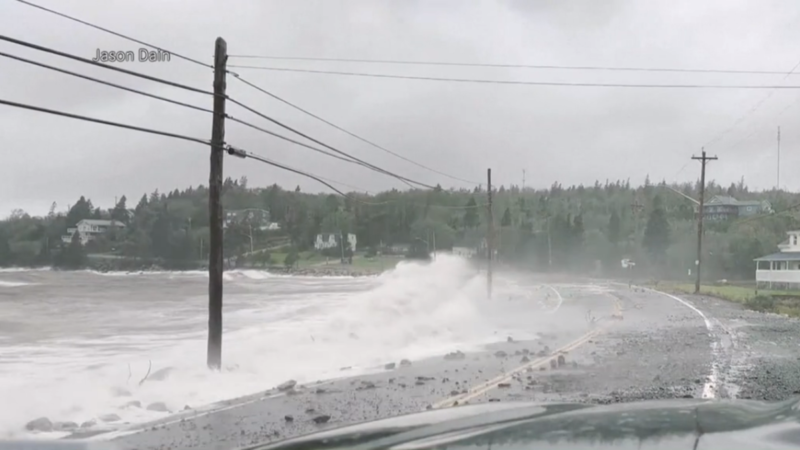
236 226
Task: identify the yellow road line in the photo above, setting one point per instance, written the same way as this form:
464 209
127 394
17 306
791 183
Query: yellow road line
487 386
493 383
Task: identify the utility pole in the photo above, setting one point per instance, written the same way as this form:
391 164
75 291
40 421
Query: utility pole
523 180
434 245
778 186
489 235
215 263
703 159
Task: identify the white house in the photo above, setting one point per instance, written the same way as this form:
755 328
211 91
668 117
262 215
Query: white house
88 229
331 240
781 269
466 252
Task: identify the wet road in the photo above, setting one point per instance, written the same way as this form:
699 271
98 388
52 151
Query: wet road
632 344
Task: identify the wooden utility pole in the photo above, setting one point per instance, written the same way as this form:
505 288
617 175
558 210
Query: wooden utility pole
215 263
489 235
703 159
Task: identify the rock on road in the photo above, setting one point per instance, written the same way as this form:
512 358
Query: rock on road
644 345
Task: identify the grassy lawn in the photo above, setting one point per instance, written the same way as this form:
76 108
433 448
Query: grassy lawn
376 263
784 302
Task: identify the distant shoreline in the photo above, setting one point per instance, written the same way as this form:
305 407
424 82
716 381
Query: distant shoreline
133 267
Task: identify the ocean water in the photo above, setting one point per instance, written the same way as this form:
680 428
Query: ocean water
74 346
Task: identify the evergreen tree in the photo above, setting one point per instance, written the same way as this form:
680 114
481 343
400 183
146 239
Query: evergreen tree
120 211
505 221
6 256
657 232
614 229
471 219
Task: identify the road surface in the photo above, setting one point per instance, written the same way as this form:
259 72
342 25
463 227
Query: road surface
643 344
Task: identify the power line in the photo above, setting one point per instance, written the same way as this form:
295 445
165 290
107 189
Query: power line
85 60
511 66
513 82
246 154
752 110
97 27
171 101
104 122
362 162
230 149
406 180
105 66
107 83
288 139
362 139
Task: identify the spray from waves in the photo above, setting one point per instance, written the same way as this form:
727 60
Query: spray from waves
414 311
11 284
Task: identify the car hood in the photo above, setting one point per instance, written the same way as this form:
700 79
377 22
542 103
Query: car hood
650 425
670 424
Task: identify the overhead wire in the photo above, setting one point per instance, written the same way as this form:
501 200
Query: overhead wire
97 27
362 139
749 112
66 16
103 122
168 100
512 66
107 83
228 148
515 82
159 80
406 180
105 66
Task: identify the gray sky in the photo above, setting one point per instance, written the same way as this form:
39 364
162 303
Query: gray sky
565 134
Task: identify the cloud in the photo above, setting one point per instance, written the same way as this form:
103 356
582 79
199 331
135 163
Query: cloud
566 134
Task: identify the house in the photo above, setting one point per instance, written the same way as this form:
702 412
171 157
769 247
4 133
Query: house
89 229
724 207
781 269
465 252
331 240
258 218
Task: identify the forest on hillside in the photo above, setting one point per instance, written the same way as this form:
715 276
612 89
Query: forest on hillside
577 228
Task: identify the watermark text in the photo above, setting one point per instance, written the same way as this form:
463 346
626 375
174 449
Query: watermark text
127 56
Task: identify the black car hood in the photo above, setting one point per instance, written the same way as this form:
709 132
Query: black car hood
670 424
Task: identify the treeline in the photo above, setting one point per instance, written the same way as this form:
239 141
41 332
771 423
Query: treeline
577 228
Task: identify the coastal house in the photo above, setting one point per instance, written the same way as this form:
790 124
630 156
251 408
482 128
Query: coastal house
781 269
465 252
724 207
256 218
331 240
89 229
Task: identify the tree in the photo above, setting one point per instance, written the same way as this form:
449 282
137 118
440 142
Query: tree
291 258
471 219
6 256
120 211
614 230
73 255
505 221
657 232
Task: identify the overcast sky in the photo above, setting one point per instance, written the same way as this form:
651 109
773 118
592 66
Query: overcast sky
565 134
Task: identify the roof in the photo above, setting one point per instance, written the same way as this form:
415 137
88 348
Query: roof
780 256
722 200
730 201
102 222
